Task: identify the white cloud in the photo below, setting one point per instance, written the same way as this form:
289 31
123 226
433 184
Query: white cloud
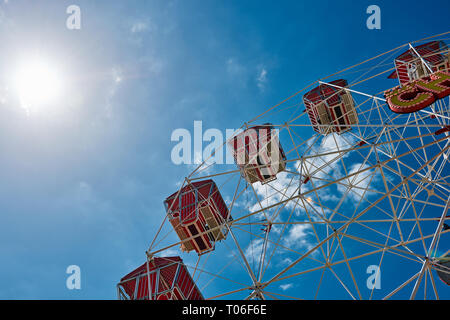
327 166
287 261
261 79
297 236
233 67
254 250
4 93
116 79
170 252
327 160
140 31
238 73
178 184
140 26
207 165
84 192
117 75
357 183
287 286
284 187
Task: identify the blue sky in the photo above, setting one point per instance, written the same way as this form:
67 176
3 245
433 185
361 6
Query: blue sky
83 182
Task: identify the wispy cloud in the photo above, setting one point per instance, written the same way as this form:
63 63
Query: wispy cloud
261 79
281 189
254 250
327 154
287 286
170 252
357 184
4 93
238 72
234 67
141 30
297 236
140 26
116 77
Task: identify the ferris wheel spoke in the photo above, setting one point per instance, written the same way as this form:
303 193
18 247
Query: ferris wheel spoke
392 170
243 257
438 228
229 293
360 202
218 276
271 295
281 295
433 284
416 217
416 224
420 133
341 282
279 238
313 227
280 246
308 142
380 263
436 114
209 176
422 272
214 277
236 195
360 221
420 136
401 286
418 158
335 263
381 248
395 248
263 257
349 268
394 210
320 284
386 236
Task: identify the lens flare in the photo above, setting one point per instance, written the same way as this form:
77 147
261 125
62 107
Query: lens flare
37 83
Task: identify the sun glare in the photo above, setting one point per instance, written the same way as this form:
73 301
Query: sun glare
37 83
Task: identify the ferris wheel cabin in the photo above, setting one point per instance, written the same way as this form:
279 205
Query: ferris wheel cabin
442 267
198 215
258 153
167 277
410 65
331 108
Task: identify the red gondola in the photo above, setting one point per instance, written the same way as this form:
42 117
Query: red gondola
442 267
330 108
258 153
199 212
167 277
409 65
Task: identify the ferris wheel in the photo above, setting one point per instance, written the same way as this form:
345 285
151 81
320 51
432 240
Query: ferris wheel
341 191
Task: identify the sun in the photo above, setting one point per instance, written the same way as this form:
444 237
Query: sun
37 83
